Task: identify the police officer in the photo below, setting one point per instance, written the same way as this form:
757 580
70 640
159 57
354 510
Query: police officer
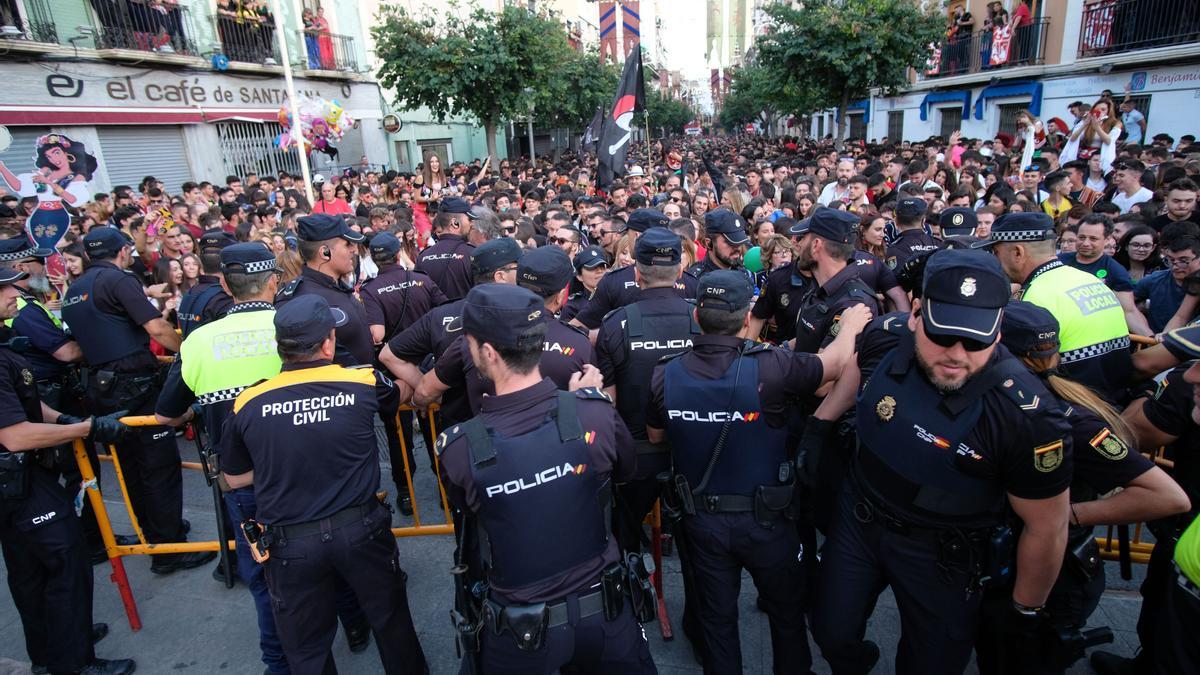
631 341
553 600
950 427
397 297
1103 465
44 555
826 251
207 300
619 287
911 238
723 408
958 223
305 441
590 267
726 240
780 297
51 347
1093 334
448 261
115 325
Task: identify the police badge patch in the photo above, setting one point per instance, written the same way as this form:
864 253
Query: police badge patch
886 408
27 376
1049 457
784 300
1109 445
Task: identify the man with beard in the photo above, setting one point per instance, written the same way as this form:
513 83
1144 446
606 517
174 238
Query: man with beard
726 240
51 347
951 429
838 190
825 251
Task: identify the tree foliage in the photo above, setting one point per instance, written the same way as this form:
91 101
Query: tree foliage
588 85
832 52
479 65
755 91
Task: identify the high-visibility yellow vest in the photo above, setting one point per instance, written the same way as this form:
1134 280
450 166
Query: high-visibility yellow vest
1091 321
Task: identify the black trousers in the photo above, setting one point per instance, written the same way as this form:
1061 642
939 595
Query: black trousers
1156 591
54 395
49 574
149 461
584 646
1178 650
938 618
720 546
405 428
303 576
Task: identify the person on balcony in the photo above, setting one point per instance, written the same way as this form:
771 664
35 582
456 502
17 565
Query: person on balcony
1023 33
310 40
324 41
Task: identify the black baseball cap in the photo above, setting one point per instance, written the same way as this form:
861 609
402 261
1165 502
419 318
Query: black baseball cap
384 243
834 225
320 227
911 207
727 223
248 258
642 220
504 315
215 239
1026 327
20 248
589 257
800 228
724 289
1019 227
456 205
493 254
658 246
964 293
545 270
104 242
958 220
1184 342
307 320
11 275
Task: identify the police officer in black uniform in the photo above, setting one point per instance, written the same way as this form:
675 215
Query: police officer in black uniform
305 440
206 301
631 341
826 251
44 555
534 471
723 408
958 224
726 240
619 287
950 428
115 323
912 239
780 298
448 261
589 258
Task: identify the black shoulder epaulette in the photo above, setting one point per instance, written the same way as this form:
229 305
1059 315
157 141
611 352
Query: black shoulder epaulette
360 366
895 323
289 289
612 311
592 393
1016 385
668 357
578 329
448 436
576 295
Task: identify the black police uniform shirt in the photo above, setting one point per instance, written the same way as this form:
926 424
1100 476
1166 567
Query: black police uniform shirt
397 297
121 296
1004 442
566 351
448 263
783 376
428 339
308 434
780 299
819 318
908 245
354 344
874 273
1112 273
45 338
1102 462
619 288
707 265
611 455
574 304
212 310
1169 409
19 401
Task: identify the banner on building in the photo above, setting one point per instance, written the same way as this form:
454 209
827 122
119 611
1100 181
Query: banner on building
608 31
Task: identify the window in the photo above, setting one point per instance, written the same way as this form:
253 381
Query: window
951 120
402 155
439 147
250 146
895 130
1008 117
1142 105
858 125
820 126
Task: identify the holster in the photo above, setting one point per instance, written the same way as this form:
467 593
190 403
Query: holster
999 549
682 492
1083 555
613 586
527 623
103 382
771 503
259 538
16 476
642 598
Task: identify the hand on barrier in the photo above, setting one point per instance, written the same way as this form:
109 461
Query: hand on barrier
108 428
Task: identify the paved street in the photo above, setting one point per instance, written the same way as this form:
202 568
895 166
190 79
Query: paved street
193 624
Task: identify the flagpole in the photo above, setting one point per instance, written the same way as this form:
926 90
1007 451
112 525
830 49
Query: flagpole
290 86
649 158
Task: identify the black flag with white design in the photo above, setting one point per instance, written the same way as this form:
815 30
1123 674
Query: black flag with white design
614 141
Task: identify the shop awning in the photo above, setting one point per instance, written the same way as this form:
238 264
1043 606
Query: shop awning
1027 88
932 97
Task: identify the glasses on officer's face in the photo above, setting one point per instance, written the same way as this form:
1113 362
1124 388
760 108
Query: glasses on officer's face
948 341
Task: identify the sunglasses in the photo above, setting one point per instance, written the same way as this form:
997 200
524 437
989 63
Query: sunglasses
948 341
510 230
559 241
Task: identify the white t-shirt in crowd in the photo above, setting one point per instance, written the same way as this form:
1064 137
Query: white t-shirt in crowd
1127 203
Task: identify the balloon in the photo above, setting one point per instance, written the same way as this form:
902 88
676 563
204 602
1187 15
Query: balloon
285 117
753 259
320 143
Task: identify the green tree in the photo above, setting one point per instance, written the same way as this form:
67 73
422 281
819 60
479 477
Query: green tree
589 85
832 52
492 66
756 95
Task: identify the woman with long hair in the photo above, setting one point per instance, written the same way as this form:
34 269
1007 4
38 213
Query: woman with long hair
623 253
872 234
1137 251
409 250
999 197
429 190
1031 136
945 179
1096 133
190 262
804 205
167 288
290 265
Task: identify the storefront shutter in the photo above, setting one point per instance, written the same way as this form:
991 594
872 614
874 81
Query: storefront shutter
132 153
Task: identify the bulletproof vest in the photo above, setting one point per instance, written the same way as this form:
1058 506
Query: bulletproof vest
649 337
813 320
543 510
107 337
912 443
698 412
191 308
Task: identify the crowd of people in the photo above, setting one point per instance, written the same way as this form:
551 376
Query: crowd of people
915 358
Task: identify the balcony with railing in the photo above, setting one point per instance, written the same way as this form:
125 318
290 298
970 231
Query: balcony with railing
247 38
1115 26
27 20
327 51
161 26
989 50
